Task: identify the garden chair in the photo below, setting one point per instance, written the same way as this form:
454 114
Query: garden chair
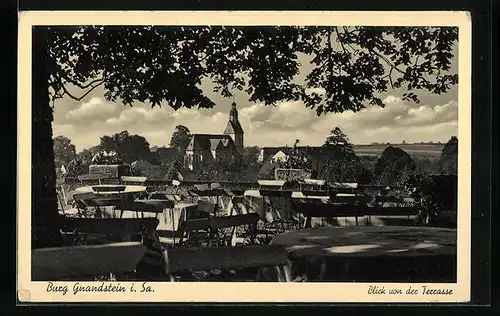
219 225
237 205
206 207
195 232
106 230
156 206
64 208
80 202
226 262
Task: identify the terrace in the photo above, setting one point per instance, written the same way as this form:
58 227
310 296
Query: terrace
307 230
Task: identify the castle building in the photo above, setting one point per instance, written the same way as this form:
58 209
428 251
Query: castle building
205 149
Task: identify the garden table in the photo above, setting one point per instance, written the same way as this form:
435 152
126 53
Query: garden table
111 195
111 189
170 223
372 254
81 262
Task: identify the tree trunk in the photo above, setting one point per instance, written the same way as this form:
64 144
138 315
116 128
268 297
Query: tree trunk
44 214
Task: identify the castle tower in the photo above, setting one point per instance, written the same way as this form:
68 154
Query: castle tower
233 128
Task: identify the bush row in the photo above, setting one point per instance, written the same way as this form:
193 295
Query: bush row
110 171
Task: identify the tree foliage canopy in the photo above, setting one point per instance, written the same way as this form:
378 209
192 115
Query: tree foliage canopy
166 65
339 162
180 138
394 166
64 150
449 156
129 147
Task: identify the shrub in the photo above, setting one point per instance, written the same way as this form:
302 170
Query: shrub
437 193
146 169
110 171
290 175
76 167
107 158
393 165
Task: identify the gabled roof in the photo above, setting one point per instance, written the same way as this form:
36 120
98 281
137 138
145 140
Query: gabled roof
271 151
233 128
209 141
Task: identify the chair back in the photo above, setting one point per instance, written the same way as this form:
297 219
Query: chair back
195 224
225 258
133 180
81 199
351 198
118 229
233 220
160 204
237 199
393 211
207 207
394 199
102 202
190 226
61 197
147 206
89 179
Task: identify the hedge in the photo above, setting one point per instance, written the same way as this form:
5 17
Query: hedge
146 169
111 171
291 174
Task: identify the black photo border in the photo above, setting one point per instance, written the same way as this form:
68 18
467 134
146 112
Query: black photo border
482 158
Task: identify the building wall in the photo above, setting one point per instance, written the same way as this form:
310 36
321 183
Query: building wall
188 159
238 141
279 157
197 159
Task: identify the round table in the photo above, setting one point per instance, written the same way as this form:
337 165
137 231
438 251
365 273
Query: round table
129 189
109 195
372 254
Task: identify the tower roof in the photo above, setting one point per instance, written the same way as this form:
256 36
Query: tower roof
233 128
233 125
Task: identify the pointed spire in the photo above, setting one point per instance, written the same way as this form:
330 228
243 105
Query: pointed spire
233 114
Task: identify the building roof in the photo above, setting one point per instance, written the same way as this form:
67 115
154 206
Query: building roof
233 128
271 151
209 141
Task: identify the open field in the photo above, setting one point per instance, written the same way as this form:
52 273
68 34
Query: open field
414 150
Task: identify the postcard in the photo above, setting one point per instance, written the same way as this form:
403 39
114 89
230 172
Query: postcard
244 156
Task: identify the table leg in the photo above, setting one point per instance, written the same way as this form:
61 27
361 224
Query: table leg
288 273
173 225
279 274
308 222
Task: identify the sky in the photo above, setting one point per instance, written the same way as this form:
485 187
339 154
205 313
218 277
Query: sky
435 118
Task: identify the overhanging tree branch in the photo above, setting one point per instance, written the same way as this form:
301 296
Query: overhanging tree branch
84 95
389 63
339 40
